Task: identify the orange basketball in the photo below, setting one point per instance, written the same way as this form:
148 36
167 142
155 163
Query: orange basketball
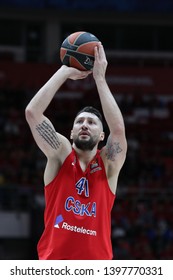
77 50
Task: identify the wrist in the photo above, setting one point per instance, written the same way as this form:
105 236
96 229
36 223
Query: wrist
64 72
100 80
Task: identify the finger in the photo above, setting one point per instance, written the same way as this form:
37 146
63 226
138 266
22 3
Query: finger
89 72
96 52
85 74
101 51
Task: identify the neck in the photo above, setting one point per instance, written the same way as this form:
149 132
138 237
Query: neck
85 156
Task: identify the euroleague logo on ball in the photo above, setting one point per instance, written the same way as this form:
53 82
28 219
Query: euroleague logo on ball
88 61
77 50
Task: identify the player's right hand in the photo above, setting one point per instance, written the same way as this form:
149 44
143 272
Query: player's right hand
75 74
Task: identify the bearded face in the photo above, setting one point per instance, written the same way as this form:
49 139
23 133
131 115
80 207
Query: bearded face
87 131
85 144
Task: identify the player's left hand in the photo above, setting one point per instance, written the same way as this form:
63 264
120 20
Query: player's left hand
100 63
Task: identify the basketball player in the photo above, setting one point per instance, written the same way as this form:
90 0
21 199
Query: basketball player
80 180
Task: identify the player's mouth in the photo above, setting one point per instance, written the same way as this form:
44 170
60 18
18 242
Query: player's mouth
84 133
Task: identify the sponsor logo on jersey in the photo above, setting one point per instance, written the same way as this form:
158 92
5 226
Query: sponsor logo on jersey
94 166
82 230
96 169
66 226
59 219
74 161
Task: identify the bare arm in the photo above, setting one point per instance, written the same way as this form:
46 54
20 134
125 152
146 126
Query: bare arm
54 145
114 152
42 129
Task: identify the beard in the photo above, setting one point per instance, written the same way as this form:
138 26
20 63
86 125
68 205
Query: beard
85 145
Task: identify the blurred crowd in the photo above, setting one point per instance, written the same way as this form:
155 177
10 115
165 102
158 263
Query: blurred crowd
142 224
142 216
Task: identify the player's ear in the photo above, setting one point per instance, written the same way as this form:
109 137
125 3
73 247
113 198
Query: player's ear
71 134
102 136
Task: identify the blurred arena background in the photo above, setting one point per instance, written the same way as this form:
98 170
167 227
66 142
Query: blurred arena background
137 36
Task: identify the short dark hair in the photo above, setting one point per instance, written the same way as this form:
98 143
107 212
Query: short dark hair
92 110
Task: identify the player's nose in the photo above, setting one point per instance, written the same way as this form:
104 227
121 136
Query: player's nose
84 125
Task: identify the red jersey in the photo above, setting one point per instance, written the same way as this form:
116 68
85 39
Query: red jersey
77 213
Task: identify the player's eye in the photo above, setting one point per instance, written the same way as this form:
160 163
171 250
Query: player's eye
79 121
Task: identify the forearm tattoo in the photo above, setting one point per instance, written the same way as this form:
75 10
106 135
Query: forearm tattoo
112 150
48 134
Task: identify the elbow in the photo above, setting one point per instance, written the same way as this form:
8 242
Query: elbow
29 114
32 115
